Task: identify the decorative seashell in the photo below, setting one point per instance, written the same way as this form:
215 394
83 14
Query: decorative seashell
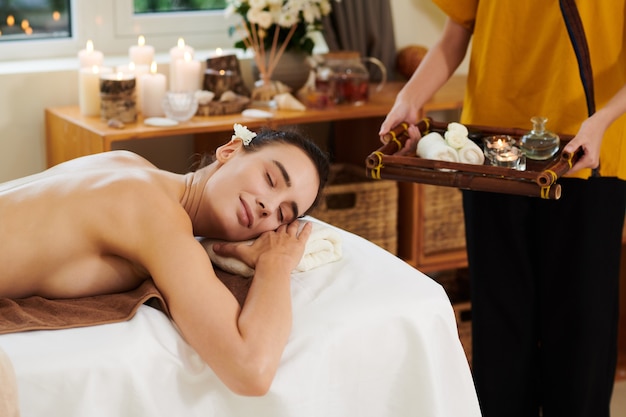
228 96
116 124
281 87
204 96
286 101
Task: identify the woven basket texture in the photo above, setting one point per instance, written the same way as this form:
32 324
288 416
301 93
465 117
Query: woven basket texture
444 227
368 208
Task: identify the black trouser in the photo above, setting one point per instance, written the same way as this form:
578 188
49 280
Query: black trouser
545 300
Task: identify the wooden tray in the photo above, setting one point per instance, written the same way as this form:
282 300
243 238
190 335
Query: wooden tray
538 180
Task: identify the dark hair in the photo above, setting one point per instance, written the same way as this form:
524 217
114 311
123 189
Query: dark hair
269 136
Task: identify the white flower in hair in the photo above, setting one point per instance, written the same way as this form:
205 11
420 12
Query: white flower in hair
243 133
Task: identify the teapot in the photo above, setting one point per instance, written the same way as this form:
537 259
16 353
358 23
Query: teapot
344 76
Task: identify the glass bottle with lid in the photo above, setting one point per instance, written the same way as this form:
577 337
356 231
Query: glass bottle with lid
539 143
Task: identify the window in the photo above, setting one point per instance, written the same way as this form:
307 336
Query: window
159 6
114 26
34 19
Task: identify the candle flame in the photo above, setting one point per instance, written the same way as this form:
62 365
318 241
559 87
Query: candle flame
56 16
153 67
10 20
219 52
141 41
89 46
120 76
222 72
181 43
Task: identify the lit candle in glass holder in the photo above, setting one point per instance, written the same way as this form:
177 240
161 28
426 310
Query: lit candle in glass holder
498 143
494 145
510 158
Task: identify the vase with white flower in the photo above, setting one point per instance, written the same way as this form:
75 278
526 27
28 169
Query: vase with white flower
270 28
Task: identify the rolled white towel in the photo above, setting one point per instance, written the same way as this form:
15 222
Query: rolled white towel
458 128
471 153
322 247
456 135
433 146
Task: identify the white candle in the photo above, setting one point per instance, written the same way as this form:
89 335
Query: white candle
178 53
153 87
89 89
187 73
141 54
89 57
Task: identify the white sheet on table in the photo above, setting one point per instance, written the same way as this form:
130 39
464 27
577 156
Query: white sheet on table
371 336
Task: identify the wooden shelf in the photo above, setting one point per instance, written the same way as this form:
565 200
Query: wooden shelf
70 134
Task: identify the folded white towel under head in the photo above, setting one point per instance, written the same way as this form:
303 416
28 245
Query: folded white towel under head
323 246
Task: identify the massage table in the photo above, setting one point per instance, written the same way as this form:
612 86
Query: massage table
372 336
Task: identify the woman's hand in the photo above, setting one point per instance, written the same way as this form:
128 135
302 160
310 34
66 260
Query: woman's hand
285 245
589 139
403 111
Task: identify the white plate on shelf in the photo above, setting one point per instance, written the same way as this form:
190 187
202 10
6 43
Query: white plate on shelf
257 114
160 121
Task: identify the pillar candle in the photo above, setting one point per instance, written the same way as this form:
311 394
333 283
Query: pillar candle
153 87
141 54
117 97
89 89
218 81
178 53
137 71
187 73
89 57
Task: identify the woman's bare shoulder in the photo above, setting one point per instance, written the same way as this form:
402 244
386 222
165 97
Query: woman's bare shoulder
120 158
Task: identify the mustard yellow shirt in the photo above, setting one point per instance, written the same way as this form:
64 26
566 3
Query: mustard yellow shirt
523 64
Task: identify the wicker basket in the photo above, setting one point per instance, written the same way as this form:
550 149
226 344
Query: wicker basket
444 225
361 206
463 313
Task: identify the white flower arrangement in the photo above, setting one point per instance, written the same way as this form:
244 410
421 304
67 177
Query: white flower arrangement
243 133
270 27
285 13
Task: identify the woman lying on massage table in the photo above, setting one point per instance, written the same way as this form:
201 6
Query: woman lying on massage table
105 223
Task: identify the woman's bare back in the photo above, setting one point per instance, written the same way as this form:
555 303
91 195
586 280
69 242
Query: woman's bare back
68 231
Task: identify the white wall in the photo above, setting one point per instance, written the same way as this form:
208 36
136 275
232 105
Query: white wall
29 87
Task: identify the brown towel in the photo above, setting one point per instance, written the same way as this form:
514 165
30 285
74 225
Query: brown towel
38 313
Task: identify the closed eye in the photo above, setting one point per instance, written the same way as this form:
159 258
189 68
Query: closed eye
270 181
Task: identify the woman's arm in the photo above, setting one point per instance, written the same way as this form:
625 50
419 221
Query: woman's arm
591 131
244 345
437 67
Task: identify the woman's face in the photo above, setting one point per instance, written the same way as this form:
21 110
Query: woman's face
253 192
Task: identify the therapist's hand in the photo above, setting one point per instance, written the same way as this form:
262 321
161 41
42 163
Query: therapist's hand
403 111
589 138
